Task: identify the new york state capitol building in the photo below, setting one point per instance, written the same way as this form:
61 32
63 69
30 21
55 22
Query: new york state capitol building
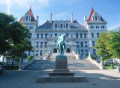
79 39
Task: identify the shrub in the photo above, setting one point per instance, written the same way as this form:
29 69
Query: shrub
30 58
92 57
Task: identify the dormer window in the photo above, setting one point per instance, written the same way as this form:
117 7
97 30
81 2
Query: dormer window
92 35
96 18
102 26
92 27
61 25
66 25
26 18
55 26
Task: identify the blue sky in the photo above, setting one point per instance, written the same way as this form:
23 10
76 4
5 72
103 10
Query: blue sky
61 9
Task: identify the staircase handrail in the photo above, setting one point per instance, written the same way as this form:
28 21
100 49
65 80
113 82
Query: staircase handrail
99 65
27 63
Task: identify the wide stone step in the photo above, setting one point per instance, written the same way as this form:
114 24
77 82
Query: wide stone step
72 65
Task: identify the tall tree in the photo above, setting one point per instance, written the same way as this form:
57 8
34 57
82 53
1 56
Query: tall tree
14 37
114 44
101 45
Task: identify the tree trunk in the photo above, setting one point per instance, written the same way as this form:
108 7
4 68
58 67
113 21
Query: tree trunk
112 64
12 63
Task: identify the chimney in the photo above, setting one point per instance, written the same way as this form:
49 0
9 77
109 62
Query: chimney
37 20
85 18
71 17
51 17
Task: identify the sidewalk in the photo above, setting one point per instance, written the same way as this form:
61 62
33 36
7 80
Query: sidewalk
26 79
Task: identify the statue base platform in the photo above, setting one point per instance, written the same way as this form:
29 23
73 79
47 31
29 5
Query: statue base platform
61 79
61 73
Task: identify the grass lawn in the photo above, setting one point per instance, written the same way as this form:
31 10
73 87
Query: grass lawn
110 67
11 68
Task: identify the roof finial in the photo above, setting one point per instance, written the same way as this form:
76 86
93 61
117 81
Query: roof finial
30 8
92 7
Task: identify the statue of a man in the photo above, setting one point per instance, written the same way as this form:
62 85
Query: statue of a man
61 43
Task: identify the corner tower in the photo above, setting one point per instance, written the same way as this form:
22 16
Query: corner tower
95 25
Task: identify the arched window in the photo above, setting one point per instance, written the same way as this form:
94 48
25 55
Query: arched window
68 50
97 34
92 34
36 52
41 53
55 34
55 50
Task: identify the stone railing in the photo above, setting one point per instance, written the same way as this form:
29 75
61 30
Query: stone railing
99 65
76 55
26 64
47 56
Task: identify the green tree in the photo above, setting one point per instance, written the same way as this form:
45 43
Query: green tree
114 44
14 37
102 44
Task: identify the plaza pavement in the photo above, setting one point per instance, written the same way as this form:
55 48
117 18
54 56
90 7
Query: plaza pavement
27 79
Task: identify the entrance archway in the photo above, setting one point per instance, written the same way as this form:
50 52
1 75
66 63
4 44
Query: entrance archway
54 50
68 50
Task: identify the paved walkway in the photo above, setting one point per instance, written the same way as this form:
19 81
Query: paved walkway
26 79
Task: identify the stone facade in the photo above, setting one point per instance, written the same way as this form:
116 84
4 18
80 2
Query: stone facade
79 39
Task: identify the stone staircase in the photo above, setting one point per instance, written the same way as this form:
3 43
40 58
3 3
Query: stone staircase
70 56
72 65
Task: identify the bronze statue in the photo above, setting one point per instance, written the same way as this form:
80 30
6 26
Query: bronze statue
61 46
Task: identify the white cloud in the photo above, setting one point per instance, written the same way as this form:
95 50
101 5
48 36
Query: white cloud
23 3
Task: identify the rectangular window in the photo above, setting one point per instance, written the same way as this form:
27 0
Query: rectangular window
31 27
45 44
41 35
37 35
41 45
80 35
92 27
45 35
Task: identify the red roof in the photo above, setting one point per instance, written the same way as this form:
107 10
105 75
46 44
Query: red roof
91 14
31 14
21 20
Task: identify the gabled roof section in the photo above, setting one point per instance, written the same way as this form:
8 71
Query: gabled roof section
31 14
21 19
46 25
91 14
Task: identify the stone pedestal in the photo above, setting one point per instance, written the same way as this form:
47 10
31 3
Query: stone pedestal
61 73
61 68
